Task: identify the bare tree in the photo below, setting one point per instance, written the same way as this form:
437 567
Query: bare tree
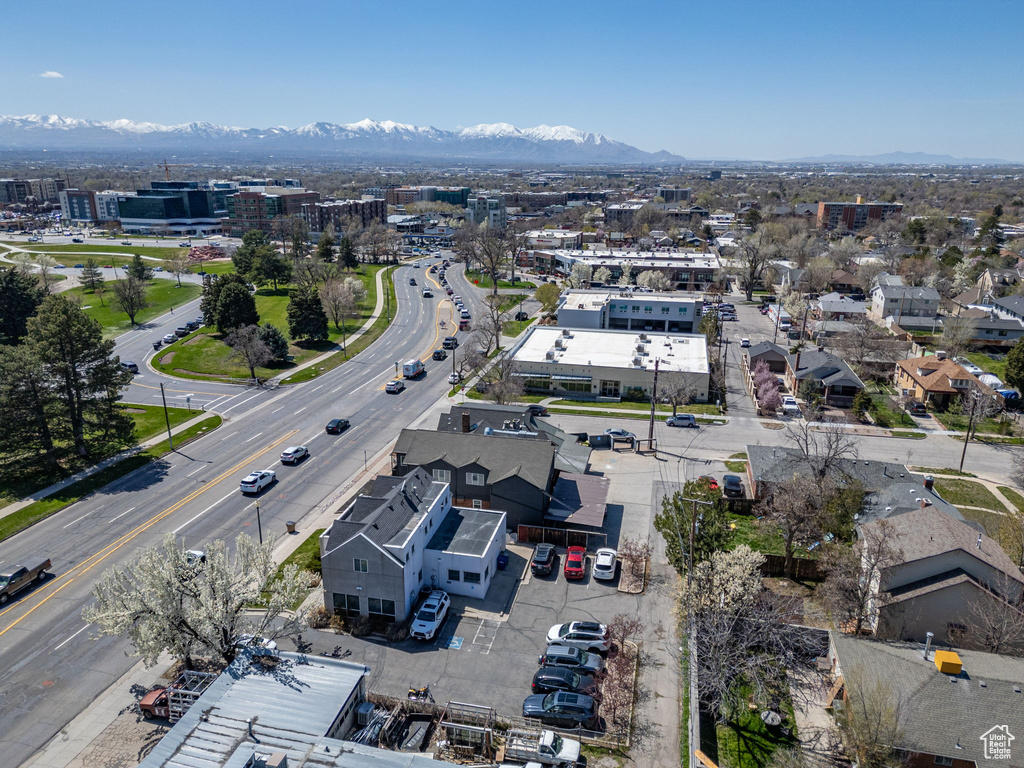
850 590
819 274
634 553
494 254
467 362
130 296
977 406
46 264
248 348
995 621
844 252
958 335
676 389
872 720
793 508
341 299
754 254
867 348
489 326
178 265
823 444
503 386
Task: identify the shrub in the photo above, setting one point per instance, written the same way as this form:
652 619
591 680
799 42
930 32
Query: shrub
397 632
320 618
361 626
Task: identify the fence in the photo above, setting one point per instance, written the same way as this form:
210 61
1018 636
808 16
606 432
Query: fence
560 537
803 568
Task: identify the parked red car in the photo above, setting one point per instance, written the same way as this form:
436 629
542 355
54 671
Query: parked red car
712 482
576 563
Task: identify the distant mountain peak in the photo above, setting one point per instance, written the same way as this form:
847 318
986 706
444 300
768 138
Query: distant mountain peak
366 138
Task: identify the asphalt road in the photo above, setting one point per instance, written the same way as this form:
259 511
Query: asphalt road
50 665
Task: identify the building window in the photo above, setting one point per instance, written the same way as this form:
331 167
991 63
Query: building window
346 605
380 607
474 478
442 475
942 760
471 577
478 504
648 310
636 309
359 565
665 310
454 575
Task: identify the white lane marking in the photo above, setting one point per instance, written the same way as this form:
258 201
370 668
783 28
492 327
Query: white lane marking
276 410
132 509
83 516
316 388
300 410
243 402
203 512
363 385
253 437
72 637
194 471
227 436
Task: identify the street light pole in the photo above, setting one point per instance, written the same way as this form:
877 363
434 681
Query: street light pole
259 523
167 418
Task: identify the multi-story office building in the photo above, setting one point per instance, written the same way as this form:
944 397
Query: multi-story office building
535 201
77 205
338 212
259 210
457 196
624 309
620 215
853 217
41 190
674 194
487 209
686 270
106 207
181 210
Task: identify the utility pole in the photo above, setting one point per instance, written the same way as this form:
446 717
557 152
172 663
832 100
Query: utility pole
975 404
167 418
654 403
259 523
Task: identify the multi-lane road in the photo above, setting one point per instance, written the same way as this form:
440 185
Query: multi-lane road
51 666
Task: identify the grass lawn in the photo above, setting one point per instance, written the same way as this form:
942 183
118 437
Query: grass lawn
307 557
745 530
909 435
988 364
161 295
967 493
990 521
885 416
40 510
746 742
484 281
150 421
738 463
988 425
515 327
511 301
941 471
215 267
204 354
1015 498
114 247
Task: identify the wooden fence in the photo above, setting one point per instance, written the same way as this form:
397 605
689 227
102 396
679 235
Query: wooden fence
803 568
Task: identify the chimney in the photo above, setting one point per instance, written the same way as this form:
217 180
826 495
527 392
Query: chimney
925 503
928 644
979 541
465 421
860 199
929 482
796 365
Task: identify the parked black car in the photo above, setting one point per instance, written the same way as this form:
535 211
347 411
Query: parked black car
549 679
917 409
732 486
543 559
566 710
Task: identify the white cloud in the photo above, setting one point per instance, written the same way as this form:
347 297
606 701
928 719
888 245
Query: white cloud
51 73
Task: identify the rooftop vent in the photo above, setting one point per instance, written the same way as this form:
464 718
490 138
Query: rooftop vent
565 332
637 361
549 355
643 337
558 343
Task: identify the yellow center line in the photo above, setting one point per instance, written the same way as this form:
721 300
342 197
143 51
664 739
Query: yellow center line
94 560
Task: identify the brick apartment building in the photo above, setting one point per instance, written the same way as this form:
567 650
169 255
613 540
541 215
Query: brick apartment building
853 217
259 210
335 212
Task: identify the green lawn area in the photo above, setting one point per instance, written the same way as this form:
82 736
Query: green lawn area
746 742
990 521
215 267
988 364
745 530
967 493
738 463
150 421
511 301
988 425
204 354
484 281
515 327
114 247
941 471
161 294
909 435
885 416
40 510
1015 498
307 557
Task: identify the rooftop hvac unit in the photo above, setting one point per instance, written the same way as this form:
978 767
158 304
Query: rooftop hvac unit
643 337
364 712
549 355
637 361
640 348
565 332
558 343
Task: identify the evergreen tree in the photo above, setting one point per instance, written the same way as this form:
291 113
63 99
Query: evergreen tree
306 316
138 269
1015 367
347 254
269 267
245 255
276 342
325 248
27 404
211 293
85 374
92 276
235 307
20 296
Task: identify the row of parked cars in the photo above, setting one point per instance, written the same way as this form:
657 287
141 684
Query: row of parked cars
564 686
606 562
180 332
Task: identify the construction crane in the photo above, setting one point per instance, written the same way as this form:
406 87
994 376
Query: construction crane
167 167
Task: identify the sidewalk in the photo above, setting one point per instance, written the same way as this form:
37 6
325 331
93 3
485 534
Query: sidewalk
62 484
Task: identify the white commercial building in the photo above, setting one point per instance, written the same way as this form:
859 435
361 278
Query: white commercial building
622 309
583 363
686 269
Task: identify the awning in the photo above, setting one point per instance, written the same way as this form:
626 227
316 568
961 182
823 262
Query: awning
570 377
525 375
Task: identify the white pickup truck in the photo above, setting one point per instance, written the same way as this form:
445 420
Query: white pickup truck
547 748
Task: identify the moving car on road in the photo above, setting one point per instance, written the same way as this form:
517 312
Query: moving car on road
682 420
294 455
336 426
394 386
18 577
257 481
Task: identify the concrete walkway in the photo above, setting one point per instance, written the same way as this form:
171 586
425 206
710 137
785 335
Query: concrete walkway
62 484
815 729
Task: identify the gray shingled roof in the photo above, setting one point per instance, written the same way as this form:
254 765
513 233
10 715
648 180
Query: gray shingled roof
390 508
775 463
908 292
824 367
928 532
1013 304
900 498
766 346
532 460
943 714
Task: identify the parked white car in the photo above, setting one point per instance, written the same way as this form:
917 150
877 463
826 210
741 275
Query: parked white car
585 635
790 406
605 562
431 615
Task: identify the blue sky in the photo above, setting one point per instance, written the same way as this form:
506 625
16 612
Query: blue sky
766 80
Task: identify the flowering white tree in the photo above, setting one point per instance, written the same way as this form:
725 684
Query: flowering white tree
653 279
169 600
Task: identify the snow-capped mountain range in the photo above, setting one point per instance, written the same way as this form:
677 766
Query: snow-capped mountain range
365 139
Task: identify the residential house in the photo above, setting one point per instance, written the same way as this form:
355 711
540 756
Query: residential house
825 374
484 471
997 331
844 282
838 306
908 306
770 353
998 282
1010 307
936 379
403 535
961 709
947 571
769 464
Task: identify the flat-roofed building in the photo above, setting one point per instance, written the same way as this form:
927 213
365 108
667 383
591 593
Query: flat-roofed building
688 270
604 363
626 310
